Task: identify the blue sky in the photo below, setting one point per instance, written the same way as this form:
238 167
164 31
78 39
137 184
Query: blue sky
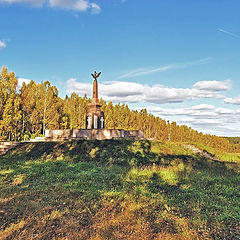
178 59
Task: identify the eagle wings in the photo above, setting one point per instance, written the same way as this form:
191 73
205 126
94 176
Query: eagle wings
96 75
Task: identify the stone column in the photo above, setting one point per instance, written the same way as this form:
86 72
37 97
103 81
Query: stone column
89 122
95 122
102 122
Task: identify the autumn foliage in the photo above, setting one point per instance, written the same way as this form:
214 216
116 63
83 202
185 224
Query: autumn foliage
27 112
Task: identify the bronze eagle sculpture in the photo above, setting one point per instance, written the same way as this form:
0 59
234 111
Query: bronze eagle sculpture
96 75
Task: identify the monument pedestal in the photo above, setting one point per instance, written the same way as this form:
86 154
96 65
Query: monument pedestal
95 117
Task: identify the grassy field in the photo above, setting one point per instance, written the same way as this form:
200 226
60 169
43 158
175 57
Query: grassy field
116 189
221 155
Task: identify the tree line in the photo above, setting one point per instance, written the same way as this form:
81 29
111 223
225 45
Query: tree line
28 111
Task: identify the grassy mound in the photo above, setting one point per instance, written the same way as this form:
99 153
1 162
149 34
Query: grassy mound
116 189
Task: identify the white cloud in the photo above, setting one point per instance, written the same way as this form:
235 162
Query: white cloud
224 111
211 89
169 112
203 107
147 71
213 85
196 111
235 101
220 127
80 88
203 110
208 119
119 91
2 44
76 5
206 94
162 94
199 122
114 89
31 2
21 81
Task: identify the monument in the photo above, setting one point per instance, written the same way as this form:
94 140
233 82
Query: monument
95 117
95 124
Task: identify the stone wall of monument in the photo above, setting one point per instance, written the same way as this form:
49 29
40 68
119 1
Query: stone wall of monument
89 134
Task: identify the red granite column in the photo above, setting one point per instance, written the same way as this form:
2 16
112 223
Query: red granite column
95 117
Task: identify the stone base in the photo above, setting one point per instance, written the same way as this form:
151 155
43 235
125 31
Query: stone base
6 146
90 134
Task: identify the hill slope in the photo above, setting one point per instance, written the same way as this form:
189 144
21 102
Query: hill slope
116 190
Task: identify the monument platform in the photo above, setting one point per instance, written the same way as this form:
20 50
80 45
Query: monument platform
90 134
95 124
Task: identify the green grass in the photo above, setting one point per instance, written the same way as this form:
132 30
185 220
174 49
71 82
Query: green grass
116 189
221 155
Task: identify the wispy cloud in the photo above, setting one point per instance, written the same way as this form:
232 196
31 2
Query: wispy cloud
2 44
148 71
229 33
76 5
95 8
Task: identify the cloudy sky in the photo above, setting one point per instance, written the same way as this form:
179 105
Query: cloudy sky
178 59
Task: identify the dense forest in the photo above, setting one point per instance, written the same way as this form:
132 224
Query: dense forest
235 140
27 112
